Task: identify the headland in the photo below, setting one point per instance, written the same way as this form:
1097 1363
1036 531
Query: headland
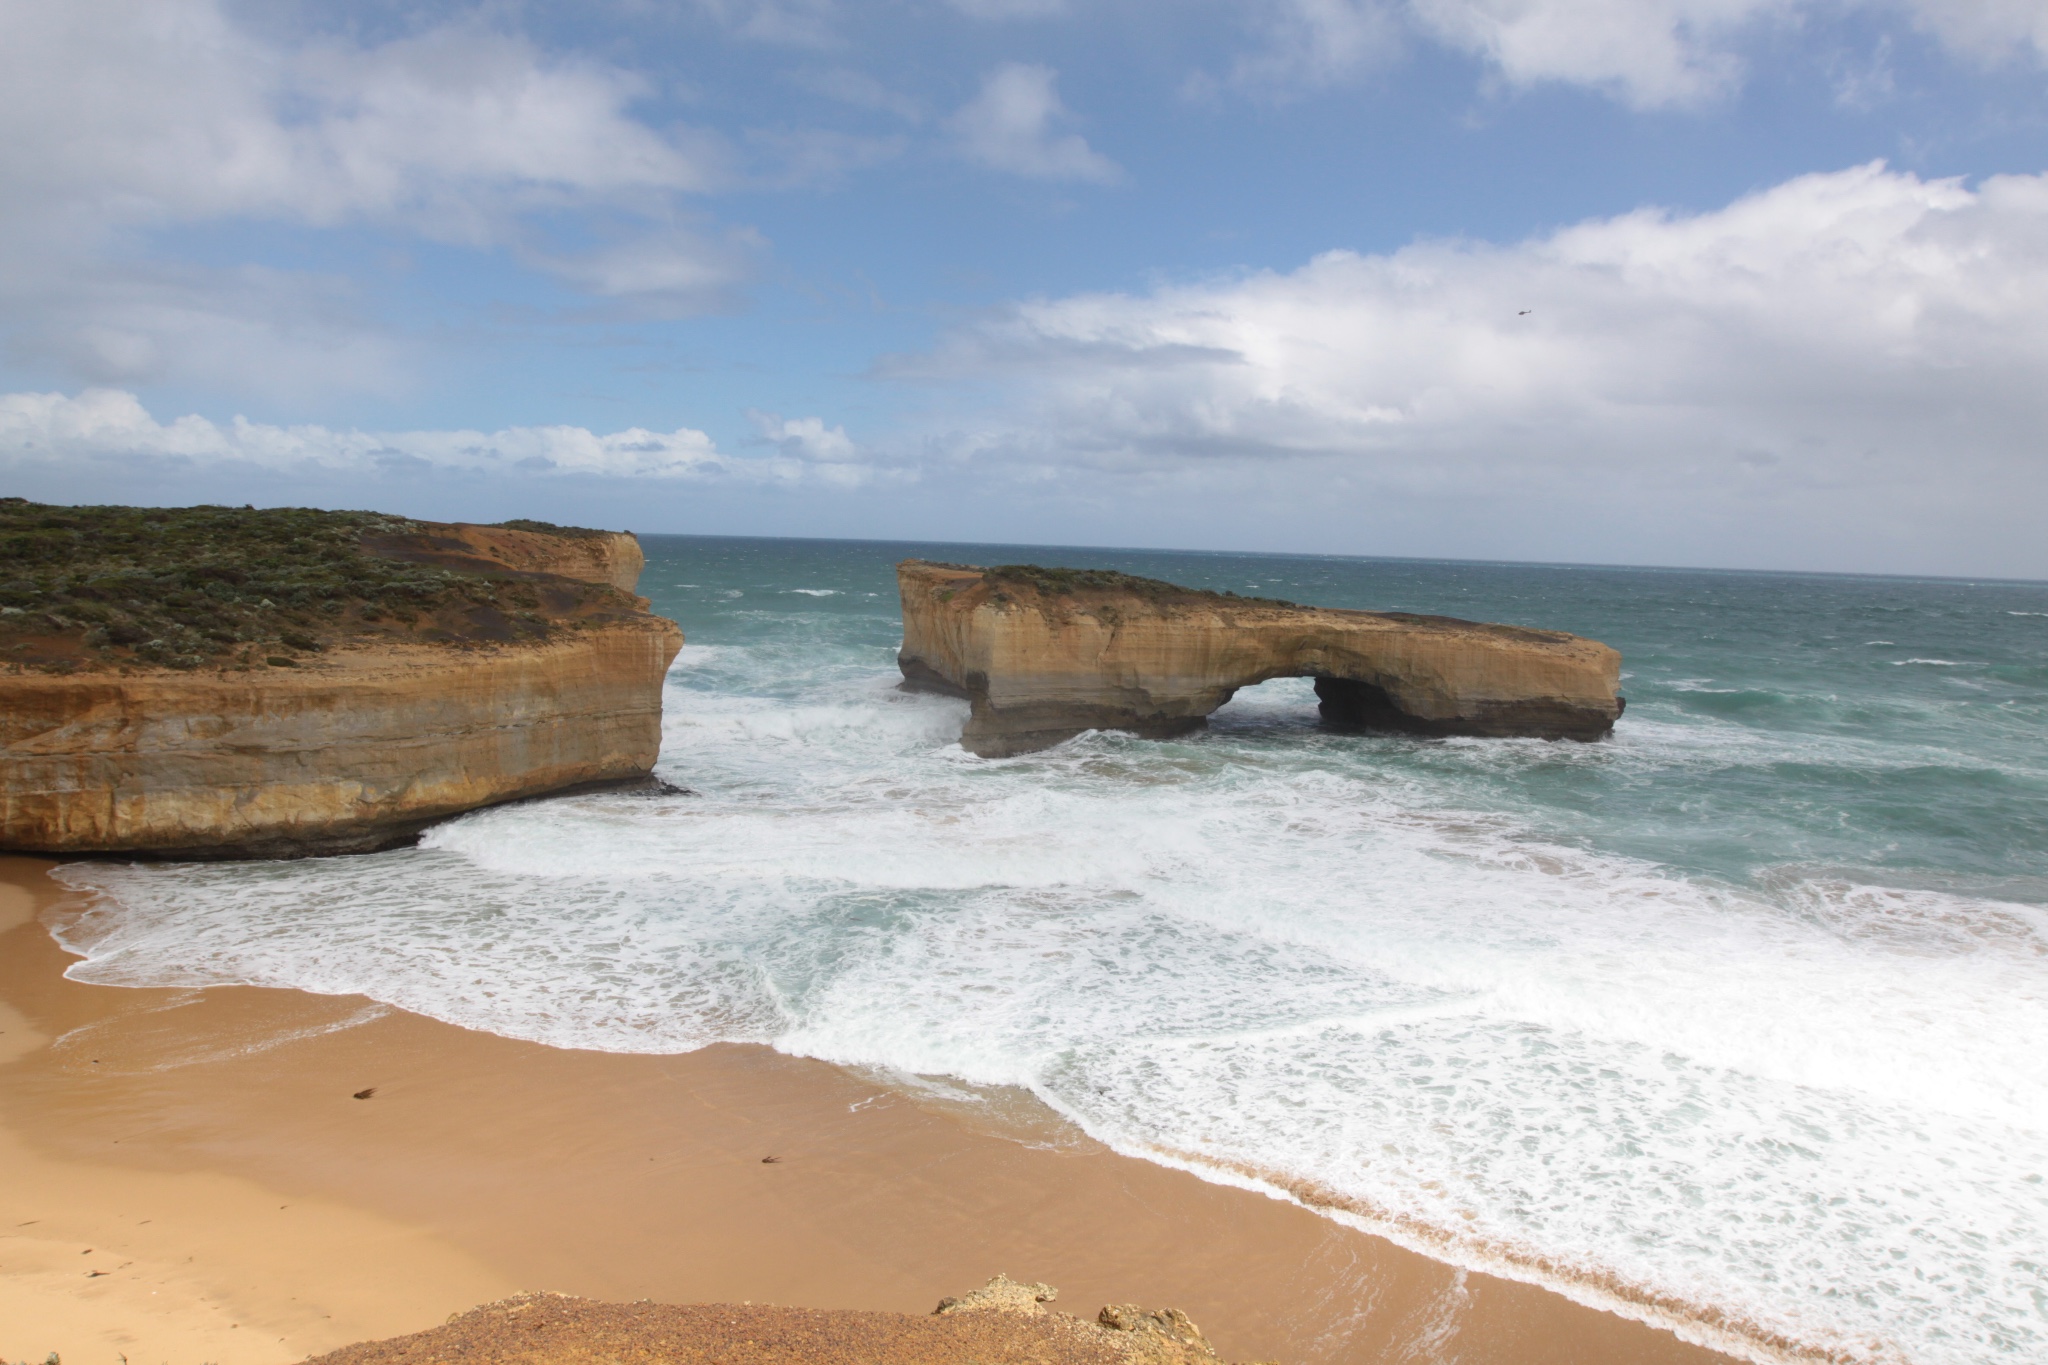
232 682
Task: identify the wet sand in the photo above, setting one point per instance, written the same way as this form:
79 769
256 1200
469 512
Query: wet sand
206 1146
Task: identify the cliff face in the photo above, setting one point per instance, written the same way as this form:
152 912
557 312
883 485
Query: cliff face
1045 655
354 730
350 753
609 557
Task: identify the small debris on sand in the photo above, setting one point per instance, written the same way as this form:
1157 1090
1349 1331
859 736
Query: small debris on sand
365 1094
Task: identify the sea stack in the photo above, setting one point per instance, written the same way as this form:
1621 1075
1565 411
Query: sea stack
1044 654
211 682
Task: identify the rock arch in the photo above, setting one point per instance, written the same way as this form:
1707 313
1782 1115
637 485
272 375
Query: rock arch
1044 654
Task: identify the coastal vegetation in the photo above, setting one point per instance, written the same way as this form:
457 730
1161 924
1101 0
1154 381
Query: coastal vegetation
1055 582
186 587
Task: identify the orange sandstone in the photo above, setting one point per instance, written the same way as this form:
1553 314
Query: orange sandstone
362 744
1046 654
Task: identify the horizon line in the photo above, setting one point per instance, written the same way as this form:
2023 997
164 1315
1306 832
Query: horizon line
1971 579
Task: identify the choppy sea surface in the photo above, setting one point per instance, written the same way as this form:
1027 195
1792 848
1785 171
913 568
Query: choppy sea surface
1738 1021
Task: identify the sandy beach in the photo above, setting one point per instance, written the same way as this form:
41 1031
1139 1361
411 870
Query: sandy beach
187 1176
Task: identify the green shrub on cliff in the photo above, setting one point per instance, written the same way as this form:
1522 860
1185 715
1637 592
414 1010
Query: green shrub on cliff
183 587
1066 582
548 528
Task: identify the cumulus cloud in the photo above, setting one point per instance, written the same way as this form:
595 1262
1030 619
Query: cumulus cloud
1308 44
1861 339
118 120
167 112
1011 126
828 452
110 426
807 436
1991 30
119 321
1646 53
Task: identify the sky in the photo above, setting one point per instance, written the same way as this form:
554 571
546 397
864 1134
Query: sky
1734 283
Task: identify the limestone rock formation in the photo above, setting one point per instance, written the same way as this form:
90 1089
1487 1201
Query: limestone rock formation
514 662
612 557
1044 654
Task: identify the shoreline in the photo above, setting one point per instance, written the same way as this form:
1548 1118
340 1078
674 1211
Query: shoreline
484 1166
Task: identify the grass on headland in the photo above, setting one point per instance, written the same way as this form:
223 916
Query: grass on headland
1066 582
187 587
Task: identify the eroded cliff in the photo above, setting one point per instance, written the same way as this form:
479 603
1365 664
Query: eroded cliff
295 682
1046 654
610 557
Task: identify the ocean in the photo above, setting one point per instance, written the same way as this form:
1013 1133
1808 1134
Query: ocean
1737 1022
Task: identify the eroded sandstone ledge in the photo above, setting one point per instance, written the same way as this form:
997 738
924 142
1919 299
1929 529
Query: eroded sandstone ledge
359 750
501 662
1046 654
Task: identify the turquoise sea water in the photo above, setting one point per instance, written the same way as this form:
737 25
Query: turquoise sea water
1738 1022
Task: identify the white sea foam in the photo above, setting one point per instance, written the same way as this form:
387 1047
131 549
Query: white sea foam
1810 1106
817 592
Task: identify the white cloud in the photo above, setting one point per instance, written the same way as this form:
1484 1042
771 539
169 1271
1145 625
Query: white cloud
106 425
1991 30
1853 353
1307 44
1646 53
118 321
828 452
118 120
807 436
166 112
1010 127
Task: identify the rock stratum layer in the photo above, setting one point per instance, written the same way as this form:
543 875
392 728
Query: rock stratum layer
1044 655
525 668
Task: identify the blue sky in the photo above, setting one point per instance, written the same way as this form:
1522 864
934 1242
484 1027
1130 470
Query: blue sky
1758 283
